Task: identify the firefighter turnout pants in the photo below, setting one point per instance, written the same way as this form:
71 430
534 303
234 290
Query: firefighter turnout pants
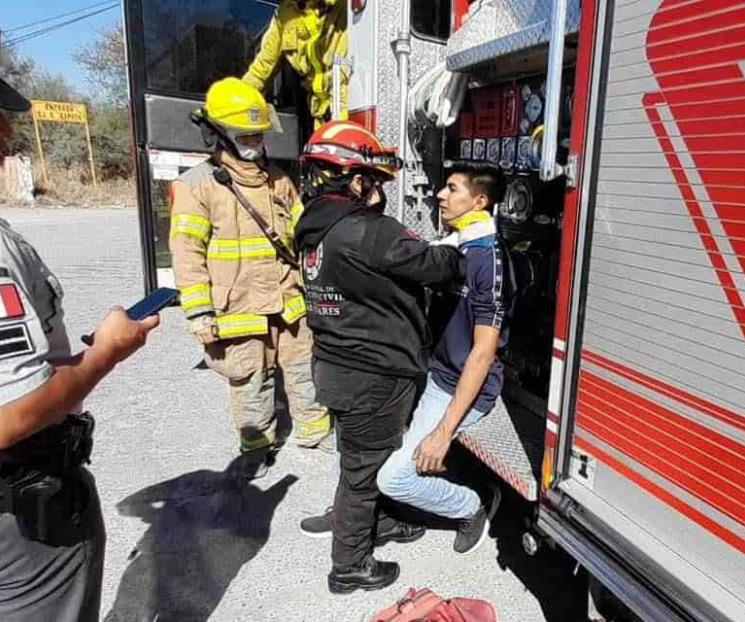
251 363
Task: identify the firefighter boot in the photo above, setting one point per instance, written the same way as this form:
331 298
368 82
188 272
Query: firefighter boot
371 574
253 465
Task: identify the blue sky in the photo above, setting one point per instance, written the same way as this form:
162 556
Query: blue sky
53 51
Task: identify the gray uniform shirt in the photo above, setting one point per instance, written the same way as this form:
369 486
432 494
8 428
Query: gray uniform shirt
61 579
32 332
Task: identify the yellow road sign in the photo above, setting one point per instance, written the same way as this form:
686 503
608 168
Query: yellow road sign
59 112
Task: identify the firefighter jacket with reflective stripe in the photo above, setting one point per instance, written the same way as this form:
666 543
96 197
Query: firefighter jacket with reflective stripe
309 35
222 261
364 276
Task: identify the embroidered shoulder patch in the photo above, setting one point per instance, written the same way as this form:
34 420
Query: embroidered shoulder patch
15 341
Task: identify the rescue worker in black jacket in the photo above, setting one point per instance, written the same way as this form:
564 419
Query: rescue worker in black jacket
364 276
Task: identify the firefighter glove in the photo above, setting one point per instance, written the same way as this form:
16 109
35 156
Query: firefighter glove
204 328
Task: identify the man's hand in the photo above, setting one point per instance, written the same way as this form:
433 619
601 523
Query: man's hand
118 337
204 328
430 454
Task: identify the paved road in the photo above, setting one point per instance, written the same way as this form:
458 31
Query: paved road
184 541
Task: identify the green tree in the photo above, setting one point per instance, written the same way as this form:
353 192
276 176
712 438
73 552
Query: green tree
112 141
64 145
104 62
18 72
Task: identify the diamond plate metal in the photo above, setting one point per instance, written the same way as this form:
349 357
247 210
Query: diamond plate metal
509 440
498 27
424 55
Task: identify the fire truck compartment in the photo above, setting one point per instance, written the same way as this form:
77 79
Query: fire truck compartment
496 28
499 130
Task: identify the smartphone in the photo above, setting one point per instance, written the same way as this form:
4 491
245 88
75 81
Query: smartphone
150 305
157 301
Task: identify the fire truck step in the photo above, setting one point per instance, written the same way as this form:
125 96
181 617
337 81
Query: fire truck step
509 440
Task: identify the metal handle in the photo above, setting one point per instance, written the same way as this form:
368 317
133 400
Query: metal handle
336 88
549 168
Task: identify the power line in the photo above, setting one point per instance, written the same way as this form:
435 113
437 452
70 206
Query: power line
56 17
43 31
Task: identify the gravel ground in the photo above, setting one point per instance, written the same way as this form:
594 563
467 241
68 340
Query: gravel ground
185 541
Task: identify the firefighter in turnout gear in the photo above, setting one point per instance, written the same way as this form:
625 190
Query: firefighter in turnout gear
309 34
365 276
232 225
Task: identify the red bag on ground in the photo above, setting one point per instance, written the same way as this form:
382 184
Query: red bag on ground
426 606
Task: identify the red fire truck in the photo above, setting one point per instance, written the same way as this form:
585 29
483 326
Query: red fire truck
618 129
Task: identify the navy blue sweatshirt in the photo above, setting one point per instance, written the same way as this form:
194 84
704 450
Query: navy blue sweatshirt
479 302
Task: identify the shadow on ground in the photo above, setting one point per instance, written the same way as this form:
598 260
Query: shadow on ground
549 575
203 527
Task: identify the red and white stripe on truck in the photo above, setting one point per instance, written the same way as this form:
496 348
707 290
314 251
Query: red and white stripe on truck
653 323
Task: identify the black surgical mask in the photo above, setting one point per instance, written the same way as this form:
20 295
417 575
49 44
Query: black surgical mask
382 203
369 185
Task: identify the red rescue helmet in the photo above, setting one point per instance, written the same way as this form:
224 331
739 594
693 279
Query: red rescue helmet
350 146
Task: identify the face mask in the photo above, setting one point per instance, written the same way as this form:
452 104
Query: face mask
249 154
369 185
382 203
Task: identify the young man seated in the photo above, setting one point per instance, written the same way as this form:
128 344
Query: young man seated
465 376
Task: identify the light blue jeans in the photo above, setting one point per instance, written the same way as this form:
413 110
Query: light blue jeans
398 478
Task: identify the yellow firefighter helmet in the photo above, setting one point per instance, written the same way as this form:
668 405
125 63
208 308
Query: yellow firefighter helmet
238 107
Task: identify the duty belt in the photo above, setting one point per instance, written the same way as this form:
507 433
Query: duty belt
55 449
37 477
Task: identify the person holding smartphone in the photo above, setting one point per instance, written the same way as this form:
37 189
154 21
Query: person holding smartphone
51 527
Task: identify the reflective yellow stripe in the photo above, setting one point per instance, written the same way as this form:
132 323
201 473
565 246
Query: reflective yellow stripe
312 429
245 248
265 439
195 226
294 309
296 211
195 296
241 324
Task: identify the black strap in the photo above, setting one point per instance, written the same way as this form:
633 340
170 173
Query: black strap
223 177
56 448
510 286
